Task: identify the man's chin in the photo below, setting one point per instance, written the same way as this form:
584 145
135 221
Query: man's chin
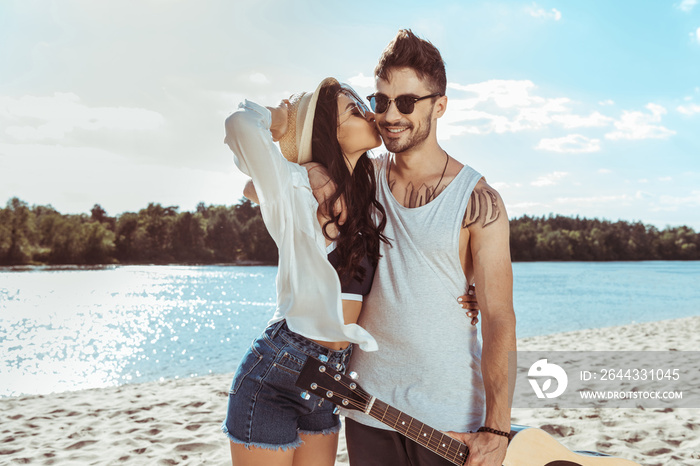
394 146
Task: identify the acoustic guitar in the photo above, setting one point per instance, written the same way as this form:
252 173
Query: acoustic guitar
528 446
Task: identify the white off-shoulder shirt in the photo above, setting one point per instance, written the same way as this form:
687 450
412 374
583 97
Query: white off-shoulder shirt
308 288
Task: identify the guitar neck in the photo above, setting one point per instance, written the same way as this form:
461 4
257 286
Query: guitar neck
432 439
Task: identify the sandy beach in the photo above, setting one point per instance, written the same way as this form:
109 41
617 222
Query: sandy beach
177 421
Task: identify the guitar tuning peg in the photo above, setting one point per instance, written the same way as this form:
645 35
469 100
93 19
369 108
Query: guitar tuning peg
336 410
323 358
353 375
305 395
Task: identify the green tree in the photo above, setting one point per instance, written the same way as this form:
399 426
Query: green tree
187 238
157 222
17 233
257 242
223 233
96 244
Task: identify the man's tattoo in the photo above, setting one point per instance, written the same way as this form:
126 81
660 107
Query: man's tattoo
421 196
483 207
416 197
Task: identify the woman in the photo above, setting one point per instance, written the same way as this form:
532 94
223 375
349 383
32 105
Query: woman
320 209
319 212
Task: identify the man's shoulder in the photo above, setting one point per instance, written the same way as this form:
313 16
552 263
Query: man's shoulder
485 206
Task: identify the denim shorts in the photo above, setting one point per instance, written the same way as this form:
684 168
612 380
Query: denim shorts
265 407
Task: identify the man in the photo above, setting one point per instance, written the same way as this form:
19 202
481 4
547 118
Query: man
448 228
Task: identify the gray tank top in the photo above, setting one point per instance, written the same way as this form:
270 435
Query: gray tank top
429 360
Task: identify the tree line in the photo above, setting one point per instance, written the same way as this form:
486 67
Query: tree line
236 234
154 235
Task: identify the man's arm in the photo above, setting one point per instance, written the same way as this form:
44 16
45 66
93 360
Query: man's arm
489 249
493 275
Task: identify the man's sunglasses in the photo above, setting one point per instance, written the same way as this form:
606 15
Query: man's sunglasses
404 103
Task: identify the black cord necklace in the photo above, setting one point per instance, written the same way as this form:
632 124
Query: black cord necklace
447 160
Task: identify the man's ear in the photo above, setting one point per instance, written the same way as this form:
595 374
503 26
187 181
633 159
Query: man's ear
440 107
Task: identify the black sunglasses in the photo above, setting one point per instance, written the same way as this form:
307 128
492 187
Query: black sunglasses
404 103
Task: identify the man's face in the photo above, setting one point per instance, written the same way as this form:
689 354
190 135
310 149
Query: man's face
399 131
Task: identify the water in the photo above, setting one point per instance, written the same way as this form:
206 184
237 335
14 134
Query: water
71 329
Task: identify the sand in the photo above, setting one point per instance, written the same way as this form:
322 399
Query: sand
177 421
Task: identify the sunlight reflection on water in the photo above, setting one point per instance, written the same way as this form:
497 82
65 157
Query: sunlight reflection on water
73 329
68 329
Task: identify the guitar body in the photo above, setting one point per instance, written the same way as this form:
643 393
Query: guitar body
528 446
534 447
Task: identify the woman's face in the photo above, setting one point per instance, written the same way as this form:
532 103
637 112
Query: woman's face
357 133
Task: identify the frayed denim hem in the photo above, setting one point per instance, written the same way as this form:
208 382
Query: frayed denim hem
266 446
333 430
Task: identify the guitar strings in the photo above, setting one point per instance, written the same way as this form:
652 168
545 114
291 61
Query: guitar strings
452 451
411 431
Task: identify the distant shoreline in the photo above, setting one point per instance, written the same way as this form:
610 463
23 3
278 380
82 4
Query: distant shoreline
247 263
31 267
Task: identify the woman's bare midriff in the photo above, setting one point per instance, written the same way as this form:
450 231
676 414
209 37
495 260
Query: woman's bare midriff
351 312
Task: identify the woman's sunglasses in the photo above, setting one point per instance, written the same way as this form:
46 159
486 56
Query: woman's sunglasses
358 105
404 103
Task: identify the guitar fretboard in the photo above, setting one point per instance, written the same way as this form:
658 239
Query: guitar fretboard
434 440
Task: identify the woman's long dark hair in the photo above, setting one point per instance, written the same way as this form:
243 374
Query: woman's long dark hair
358 235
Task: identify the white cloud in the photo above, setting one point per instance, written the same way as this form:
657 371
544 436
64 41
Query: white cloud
675 203
665 178
639 125
604 171
687 5
499 185
537 12
595 200
361 81
573 143
642 180
73 179
33 118
606 102
696 35
522 208
259 78
549 179
577 121
690 109
500 106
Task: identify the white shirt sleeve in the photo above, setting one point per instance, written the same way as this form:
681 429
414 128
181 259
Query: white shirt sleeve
255 153
308 288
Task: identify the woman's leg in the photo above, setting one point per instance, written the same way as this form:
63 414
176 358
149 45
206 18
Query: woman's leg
317 450
255 456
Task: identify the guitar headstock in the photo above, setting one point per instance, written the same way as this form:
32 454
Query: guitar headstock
326 382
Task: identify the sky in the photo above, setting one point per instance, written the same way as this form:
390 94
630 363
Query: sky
583 107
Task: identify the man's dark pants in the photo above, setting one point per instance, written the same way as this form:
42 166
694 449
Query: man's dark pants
368 446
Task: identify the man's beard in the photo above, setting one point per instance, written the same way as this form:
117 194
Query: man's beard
396 146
